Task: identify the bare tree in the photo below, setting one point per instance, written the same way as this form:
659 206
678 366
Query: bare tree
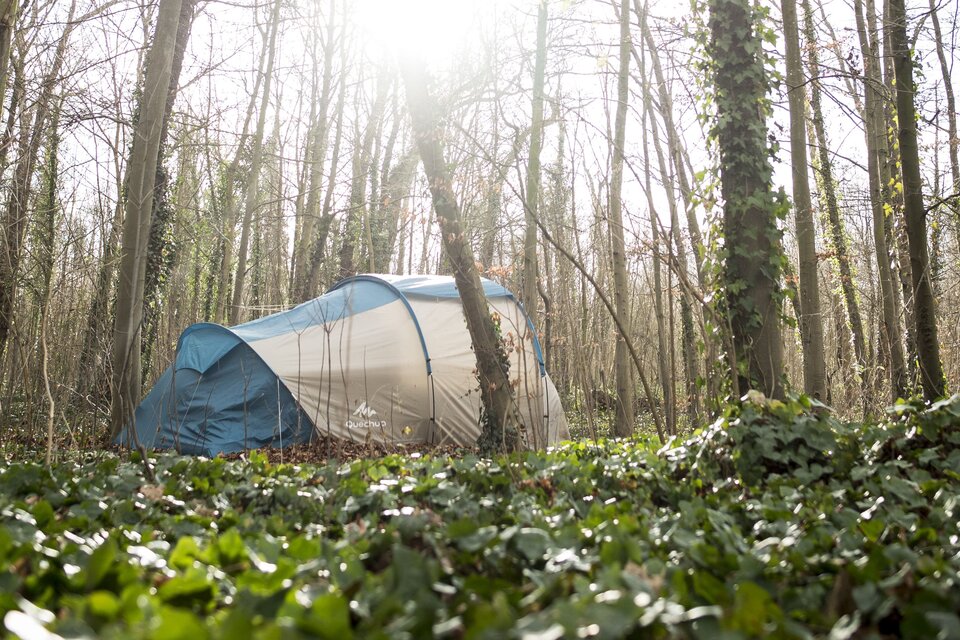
621 286
925 313
811 322
504 428
252 198
140 180
531 276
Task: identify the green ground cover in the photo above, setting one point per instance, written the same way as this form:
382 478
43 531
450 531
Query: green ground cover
776 521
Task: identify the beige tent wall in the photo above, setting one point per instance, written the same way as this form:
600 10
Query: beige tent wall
455 378
364 377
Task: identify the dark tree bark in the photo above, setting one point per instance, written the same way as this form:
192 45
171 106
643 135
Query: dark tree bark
925 318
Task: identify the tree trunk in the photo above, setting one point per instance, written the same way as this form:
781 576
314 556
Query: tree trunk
621 284
928 348
954 139
159 251
674 145
318 248
320 131
678 176
252 199
824 166
15 220
503 427
663 338
811 323
8 22
753 255
141 174
874 131
357 222
532 191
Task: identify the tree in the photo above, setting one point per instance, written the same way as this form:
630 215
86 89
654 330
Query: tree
252 201
621 285
953 137
160 247
925 313
876 142
33 122
811 322
752 254
8 20
140 180
504 428
828 197
532 191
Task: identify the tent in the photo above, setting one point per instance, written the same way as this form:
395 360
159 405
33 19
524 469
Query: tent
378 357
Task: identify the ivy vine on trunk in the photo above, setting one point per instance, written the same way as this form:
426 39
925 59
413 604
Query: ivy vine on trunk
752 256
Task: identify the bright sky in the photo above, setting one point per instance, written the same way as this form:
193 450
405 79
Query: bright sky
432 29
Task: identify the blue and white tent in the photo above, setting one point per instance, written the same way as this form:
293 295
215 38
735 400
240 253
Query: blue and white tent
378 357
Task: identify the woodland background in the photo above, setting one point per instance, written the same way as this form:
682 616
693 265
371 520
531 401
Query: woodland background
288 163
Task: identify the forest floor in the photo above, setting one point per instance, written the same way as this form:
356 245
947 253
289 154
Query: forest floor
776 521
324 450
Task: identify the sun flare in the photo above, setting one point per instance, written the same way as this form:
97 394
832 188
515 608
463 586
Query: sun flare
436 30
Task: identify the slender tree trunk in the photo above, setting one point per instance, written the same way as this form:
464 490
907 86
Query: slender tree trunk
674 144
159 251
319 245
357 221
954 138
891 175
811 323
141 174
320 131
532 190
16 103
8 21
503 428
824 167
663 337
15 220
678 176
621 284
753 255
928 347
874 131
229 210
252 199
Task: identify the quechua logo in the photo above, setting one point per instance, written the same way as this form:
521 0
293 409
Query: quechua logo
365 417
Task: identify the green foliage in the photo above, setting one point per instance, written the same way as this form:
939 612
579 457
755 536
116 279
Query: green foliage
496 433
744 261
776 521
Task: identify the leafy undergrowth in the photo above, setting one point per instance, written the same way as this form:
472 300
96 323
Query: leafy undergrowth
777 521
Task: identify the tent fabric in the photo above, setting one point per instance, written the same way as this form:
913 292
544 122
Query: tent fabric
385 358
234 404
